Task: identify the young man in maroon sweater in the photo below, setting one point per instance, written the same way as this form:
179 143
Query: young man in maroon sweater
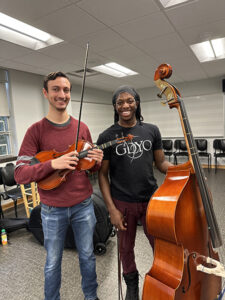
70 202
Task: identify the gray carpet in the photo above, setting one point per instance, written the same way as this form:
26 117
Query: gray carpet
22 260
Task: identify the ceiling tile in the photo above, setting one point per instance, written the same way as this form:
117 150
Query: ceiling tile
167 43
140 81
36 59
145 28
117 11
9 50
101 40
62 66
214 68
68 23
204 32
28 11
196 13
104 82
23 67
188 69
144 65
125 52
65 52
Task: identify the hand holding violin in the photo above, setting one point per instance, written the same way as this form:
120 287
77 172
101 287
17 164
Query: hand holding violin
70 160
96 154
66 161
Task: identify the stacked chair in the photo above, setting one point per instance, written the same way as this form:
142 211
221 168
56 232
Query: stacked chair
219 150
168 147
202 146
181 150
11 188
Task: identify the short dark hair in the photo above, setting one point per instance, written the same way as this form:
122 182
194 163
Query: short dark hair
134 93
53 76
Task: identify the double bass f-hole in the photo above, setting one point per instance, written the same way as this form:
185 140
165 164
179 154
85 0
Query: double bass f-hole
188 257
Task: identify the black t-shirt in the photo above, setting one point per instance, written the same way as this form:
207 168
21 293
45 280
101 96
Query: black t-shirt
131 162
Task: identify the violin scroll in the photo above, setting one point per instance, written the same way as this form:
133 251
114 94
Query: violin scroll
129 137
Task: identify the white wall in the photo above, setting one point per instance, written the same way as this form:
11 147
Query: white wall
98 117
205 114
97 110
27 101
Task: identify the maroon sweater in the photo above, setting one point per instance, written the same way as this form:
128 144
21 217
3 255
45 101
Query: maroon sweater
44 135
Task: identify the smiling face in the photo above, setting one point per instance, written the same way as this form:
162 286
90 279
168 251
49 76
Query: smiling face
58 93
126 107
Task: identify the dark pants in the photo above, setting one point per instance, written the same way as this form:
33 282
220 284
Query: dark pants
132 213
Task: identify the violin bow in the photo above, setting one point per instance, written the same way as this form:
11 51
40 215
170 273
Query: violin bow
82 95
120 292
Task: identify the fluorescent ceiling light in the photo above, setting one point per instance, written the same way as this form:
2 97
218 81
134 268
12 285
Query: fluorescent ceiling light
15 31
203 51
23 28
114 69
219 47
169 3
209 50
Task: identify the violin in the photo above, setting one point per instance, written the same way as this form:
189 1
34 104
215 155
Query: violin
85 163
181 218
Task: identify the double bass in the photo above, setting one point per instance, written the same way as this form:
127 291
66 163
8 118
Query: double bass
181 218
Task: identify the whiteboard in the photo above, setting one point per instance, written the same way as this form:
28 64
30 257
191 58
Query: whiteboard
96 116
205 114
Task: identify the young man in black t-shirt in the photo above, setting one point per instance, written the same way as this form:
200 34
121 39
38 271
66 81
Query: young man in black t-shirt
126 176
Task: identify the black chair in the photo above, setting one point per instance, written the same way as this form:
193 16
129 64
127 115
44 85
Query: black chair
167 147
181 150
219 150
2 195
11 188
202 147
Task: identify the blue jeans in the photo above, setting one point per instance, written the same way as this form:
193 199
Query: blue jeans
55 221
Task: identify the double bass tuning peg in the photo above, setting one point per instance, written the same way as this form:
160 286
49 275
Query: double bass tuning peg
162 92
